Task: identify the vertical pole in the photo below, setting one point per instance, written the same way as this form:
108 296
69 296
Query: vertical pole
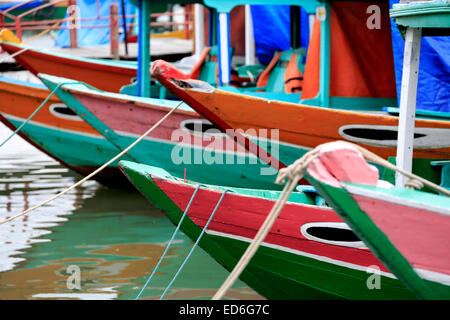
199 28
224 52
18 28
97 7
124 23
212 27
311 17
170 11
249 37
114 30
187 21
408 95
143 74
324 86
73 32
295 27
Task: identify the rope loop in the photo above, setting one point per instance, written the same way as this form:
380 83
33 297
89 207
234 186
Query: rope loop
414 184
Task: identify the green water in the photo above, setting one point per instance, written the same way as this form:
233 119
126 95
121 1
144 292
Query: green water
113 238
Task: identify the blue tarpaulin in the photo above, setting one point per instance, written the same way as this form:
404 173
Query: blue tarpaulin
271 28
93 36
433 91
30 5
433 88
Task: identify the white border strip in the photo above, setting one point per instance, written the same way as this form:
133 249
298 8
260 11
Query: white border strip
300 253
394 199
39 124
433 276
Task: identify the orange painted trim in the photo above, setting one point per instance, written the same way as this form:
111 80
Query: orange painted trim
93 73
21 101
300 125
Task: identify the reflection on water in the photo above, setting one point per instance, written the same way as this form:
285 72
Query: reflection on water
114 237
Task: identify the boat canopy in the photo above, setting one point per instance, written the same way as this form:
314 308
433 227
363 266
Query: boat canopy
361 64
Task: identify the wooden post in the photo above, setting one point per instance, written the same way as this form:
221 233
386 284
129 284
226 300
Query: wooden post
224 52
199 29
408 95
73 32
249 38
18 28
187 21
114 30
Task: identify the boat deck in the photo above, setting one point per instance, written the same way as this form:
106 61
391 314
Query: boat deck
170 49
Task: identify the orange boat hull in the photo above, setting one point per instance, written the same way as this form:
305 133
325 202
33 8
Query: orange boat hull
308 126
102 76
48 128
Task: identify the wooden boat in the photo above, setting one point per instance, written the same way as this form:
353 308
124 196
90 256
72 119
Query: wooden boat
120 74
408 230
93 71
313 126
57 131
348 104
309 254
184 144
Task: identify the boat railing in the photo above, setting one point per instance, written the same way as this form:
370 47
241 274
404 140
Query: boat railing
19 24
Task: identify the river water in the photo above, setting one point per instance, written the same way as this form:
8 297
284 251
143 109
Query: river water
112 238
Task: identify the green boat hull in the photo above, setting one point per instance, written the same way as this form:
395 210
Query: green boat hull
273 273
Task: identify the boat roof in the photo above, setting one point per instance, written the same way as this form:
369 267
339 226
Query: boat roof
432 16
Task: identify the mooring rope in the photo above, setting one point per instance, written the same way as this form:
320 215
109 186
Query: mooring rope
35 111
173 237
169 243
97 170
195 244
264 229
293 174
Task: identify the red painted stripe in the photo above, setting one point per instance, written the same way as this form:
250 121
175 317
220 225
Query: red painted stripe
240 215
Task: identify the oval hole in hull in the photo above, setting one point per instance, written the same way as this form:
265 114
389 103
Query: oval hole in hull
201 127
60 110
335 233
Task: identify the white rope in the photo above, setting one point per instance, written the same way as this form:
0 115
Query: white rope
372 157
96 171
294 173
300 165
